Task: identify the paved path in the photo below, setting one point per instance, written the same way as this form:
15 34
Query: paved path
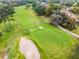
67 31
29 49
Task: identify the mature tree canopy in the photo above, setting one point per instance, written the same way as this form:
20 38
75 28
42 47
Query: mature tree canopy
6 13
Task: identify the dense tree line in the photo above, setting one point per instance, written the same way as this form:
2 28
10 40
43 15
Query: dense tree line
56 1
6 12
47 1
52 10
47 9
63 20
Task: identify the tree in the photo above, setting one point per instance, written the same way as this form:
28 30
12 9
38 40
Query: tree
75 8
48 10
6 13
63 21
56 6
72 24
39 8
56 19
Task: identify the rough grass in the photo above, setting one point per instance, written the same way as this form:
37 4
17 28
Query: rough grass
52 42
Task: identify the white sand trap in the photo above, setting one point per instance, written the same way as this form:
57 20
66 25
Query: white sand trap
5 57
29 49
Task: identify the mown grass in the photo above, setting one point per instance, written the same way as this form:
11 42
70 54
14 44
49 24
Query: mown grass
55 42
52 42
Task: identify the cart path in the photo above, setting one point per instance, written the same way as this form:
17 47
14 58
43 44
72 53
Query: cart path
29 49
69 32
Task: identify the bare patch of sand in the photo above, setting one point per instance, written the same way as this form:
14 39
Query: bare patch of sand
29 49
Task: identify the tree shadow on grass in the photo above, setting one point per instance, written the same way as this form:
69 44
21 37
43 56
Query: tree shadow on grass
74 53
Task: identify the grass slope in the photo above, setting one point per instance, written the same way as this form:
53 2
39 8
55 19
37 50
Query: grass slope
52 42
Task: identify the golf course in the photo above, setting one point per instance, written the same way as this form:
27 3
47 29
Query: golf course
52 42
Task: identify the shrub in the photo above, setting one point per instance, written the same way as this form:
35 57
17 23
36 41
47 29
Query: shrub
48 10
56 19
56 6
75 8
72 24
39 8
63 21
27 6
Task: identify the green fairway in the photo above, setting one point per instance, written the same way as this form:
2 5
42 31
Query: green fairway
52 42
55 42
